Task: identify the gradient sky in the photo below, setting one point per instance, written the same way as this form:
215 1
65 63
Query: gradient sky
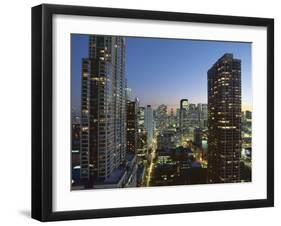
163 71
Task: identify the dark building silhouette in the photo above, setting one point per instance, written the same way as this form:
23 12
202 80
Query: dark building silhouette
167 140
141 139
248 114
198 137
224 120
132 126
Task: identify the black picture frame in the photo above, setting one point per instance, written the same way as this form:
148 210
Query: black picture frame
42 111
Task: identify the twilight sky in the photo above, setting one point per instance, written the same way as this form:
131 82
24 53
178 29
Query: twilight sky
163 71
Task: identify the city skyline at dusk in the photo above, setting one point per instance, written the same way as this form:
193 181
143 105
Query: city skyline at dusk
159 112
163 71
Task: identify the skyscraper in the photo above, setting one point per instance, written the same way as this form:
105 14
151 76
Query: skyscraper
103 108
204 116
161 118
75 144
141 118
224 120
142 133
149 124
184 106
193 117
132 125
172 120
128 93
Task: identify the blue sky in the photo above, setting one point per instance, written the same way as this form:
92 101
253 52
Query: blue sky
163 71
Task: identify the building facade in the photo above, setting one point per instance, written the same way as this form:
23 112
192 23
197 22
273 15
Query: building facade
149 124
132 126
142 134
103 109
161 118
203 115
224 120
183 114
75 144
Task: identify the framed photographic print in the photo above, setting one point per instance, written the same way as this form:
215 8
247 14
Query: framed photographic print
147 112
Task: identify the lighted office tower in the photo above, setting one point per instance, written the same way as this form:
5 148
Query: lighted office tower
149 124
184 106
172 120
132 125
193 117
178 111
202 111
141 118
224 120
204 116
142 133
161 118
103 109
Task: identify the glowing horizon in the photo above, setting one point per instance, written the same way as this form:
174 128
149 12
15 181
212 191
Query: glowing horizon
163 71
245 106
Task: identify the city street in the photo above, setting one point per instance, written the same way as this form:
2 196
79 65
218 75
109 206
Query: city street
150 168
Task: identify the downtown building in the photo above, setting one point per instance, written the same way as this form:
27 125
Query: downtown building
224 120
161 118
103 113
142 135
203 115
183 114
75 152
193 116
149 124
172 120
132 126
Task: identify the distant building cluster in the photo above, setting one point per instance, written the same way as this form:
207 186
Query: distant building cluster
116 142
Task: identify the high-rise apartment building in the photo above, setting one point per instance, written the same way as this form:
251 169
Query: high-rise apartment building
224 120
103 109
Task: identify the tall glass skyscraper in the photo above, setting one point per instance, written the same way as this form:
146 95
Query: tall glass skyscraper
103 108
224 120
